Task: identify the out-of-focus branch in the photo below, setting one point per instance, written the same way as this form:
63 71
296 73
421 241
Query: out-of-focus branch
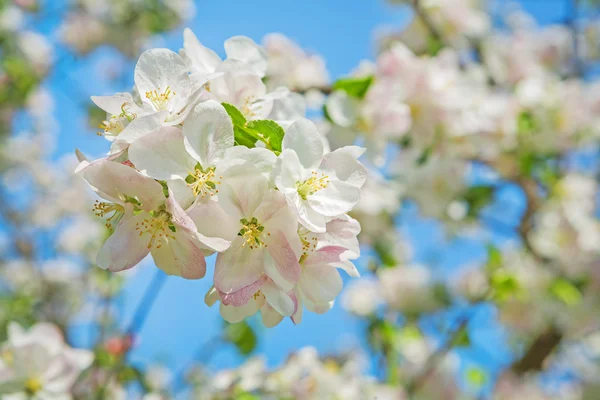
539 350
429 24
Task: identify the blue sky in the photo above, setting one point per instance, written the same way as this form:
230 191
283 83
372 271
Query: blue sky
343 32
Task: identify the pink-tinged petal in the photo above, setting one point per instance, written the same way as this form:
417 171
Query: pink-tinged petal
211 297
304 138
208 132
297 317
337 198
278 299
125 248
342 231
161 154
211 220
275 215
116 180
244 295
284 256
180 254
233 314
238 267
182 220
242 190
274 273
325 255
178 214
270 316
320 283
343 163
347 266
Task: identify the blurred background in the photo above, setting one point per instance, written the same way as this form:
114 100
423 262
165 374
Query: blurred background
479 266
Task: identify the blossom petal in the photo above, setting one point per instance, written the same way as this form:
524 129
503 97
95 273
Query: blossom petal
278 299
238 267
337 198
342 109
304 138
320 283
284 256
270 316
203 59
242 191
245 49
125 248
159 69
180 254
115 180
235 314
208 132
162 155
211 220
344 164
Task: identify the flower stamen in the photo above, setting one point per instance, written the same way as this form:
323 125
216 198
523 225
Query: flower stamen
159 228
160 100
203 182
113 212
312 185
251 232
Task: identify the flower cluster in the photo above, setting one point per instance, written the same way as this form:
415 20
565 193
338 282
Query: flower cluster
205 160
37 364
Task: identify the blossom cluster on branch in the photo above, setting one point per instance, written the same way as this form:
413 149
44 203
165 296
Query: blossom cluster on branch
205 160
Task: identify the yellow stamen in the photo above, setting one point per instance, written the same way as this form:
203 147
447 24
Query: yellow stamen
203 182
251 232
32 386
158 227
312 185
160 100
112 210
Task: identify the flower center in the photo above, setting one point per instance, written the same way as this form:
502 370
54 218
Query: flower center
115 124
159 227
312 185
32 386
111 211
249 108
251 232
160 100
203 182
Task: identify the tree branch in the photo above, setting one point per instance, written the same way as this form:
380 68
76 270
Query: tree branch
539 350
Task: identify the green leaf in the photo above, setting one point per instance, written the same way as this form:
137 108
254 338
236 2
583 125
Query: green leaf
354 87
236 116
504 285
242 336
495 259
269 132
566 292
